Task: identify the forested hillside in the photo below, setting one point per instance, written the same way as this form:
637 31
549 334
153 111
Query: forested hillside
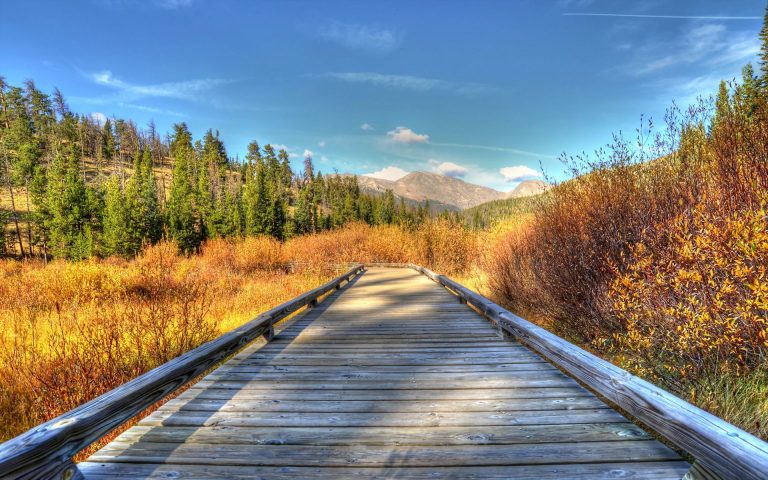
74 187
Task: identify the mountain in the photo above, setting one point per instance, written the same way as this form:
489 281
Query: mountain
526 188
443 192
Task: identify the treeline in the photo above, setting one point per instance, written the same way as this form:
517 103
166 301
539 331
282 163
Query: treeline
483 216
92 188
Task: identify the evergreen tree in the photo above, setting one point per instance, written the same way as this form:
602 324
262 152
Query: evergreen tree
254 198
68 206
183 217
386 210
116 236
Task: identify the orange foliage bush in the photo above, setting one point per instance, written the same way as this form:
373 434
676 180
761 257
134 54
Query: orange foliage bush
697 307
72 331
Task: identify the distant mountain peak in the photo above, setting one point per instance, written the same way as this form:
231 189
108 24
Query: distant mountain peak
453 193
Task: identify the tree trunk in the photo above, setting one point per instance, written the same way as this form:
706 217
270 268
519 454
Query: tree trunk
29 220
13 204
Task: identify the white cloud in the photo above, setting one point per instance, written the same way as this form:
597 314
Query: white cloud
406 135
407 82
187 90
388 173
449 169
519 173
98 117
321 143
279 146
308 153
367 127
362 37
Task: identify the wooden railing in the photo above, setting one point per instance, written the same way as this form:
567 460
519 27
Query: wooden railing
719 448
46 451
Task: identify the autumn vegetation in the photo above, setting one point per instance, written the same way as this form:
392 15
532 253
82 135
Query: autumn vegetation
655 254
74 330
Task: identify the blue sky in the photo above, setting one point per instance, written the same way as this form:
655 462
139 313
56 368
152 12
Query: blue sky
484 90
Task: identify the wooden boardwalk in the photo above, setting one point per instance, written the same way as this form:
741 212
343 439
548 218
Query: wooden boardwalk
390 377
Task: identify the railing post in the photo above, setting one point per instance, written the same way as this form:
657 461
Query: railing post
269 334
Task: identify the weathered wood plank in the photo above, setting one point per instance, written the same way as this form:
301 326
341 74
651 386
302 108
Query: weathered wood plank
407 419
375 406
494 435
538 372
380 456
384 395
665 470
243 367
366 385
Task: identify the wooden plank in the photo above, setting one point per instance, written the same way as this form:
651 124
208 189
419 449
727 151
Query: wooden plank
538 372
308 394
721 447
379 456
665 470
523 434
310 367
408 419
376 406
391 385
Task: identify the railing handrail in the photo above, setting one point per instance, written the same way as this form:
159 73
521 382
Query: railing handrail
717 445
46 451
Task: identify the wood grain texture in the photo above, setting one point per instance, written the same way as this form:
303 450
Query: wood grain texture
43 451
390 378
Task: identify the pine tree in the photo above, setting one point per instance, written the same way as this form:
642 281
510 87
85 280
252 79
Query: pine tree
386 211
68 206
183 217
254 199
116 236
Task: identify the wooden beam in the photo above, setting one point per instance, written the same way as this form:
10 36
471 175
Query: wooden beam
46 450
717 446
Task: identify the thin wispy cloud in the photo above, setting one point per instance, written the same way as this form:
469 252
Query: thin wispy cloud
145 108
184 90
362 37
671 17
711 45
408 82
367 127
164 4
492 148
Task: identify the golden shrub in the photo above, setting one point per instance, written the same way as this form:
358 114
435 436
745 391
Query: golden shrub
698 304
